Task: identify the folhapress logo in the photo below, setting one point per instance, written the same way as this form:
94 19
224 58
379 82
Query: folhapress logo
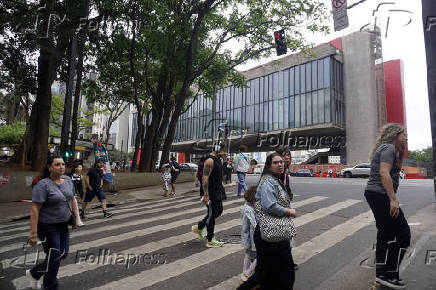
431 23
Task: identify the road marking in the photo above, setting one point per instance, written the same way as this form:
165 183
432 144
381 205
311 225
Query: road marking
73 269
309 249
116 217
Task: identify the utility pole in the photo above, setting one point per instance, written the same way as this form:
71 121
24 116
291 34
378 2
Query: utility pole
65 134
429 25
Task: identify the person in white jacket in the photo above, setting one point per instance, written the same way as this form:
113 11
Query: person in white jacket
242 166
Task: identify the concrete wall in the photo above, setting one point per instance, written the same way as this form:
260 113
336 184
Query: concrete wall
19 185
361 120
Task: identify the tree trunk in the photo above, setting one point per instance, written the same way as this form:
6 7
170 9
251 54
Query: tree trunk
40 128
79 72
138 138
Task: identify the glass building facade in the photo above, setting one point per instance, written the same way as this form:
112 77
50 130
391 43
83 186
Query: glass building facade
304 95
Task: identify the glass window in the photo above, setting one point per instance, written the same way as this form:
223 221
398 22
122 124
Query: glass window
327 72
334 110
303 109
302 78
260 126
327 105
308 77
275 114
314 75
270 115
297 111
291 81
255 91
236 97
309 109
320 106
261 89
243 121
291 112
281 84
315 107
275 85
270 87
320 73
280 113
252 91
286 83
286 113
250 119
297 80
227 97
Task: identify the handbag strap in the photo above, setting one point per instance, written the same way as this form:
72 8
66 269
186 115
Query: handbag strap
66 200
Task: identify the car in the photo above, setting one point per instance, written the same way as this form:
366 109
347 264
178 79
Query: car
360 170
303 173
190 167
4 158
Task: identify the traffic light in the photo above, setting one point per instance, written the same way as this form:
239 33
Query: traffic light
279 37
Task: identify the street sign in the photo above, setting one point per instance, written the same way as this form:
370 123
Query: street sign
340 16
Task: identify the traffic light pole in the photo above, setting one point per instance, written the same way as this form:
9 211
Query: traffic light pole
429 25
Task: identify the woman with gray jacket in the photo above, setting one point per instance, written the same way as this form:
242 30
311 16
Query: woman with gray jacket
275 266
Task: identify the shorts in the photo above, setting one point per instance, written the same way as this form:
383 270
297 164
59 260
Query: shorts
90 194
173 179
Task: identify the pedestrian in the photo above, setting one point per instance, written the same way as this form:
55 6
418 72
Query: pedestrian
213 196
274 231
248 221
286 177
175 171
330 172
242 166
393 232
166 177
227 171
53 208
94 187
76 177
200 173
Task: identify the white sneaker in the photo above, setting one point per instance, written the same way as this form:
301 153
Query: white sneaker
34 284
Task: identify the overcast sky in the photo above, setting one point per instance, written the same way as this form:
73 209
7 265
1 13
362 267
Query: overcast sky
404 41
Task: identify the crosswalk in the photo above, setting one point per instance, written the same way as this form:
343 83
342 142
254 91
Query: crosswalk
162 229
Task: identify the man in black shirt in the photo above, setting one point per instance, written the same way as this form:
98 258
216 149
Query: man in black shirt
94 187
213 196
175 171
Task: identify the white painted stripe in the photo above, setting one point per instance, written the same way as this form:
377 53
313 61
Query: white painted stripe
157 274
328 239
309 249
122 206
96 221
73 269
122 237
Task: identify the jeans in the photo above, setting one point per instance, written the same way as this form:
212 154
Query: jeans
56 246
393 235
214 210
241 182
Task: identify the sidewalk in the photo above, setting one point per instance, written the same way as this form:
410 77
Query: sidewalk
20 210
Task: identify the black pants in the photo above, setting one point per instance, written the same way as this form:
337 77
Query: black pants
214 210
201 186
274 268
393 235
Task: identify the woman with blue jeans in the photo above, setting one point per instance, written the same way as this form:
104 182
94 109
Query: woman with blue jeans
53 207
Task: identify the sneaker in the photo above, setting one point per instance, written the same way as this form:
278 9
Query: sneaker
34 284
296 267
108 214
214 243
390 282
199 233
244 277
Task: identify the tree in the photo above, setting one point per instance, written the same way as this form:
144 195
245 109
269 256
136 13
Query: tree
183 40
424 155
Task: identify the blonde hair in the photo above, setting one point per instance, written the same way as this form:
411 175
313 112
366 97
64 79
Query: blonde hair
387 134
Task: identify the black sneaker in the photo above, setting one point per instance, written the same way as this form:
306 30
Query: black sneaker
108 214
390 282
82 214
296 267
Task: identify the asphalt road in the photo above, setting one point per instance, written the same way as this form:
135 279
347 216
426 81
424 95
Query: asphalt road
333 245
